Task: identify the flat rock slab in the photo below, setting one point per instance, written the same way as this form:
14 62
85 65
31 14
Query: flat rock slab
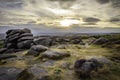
39 73
36 50
54 54
3 50
11 73
6 56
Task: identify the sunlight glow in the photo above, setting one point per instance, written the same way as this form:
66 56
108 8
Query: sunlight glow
59 11
68 22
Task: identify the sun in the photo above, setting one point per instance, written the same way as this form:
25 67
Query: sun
68 22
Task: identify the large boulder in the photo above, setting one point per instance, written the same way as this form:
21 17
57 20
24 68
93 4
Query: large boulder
3 50
25 44
54 54
14 74
84 67
39 73
25 34
25 38
19 39
100 41
6 56
36 50
45 41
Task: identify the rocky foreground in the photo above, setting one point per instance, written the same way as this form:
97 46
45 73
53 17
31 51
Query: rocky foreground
71 57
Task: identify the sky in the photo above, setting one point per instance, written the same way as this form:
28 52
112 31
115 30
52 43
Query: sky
60 14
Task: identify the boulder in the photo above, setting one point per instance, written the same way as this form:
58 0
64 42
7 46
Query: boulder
11 45
36 50
25 44
25 38
39 73
39 48
12 36
3 50
84 67
6 56
26 30
26 34
100 41
54 54
13 74
32 52
11 39
43 41
13 31
19 39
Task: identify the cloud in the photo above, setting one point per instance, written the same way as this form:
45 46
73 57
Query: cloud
116 3
50 12
103 1
91 19
114 20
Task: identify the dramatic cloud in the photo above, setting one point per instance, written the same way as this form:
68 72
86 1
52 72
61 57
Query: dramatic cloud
96 13
103 1
90 19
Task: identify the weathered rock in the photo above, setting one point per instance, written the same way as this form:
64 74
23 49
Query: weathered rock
39 48
43 41
11 39
36 50
11 45
13 74
39 73
53 54
48 63
25 38
13 31
67 65
32 52
25 44
26 30
26 34
117 42
12 36
100 41
102 60
19 39
3 50
6 56
13 50
84 67
62 47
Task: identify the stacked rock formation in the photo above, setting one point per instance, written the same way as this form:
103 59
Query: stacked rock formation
18 39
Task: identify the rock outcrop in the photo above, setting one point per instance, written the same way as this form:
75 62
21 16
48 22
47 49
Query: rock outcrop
56 40
19 39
